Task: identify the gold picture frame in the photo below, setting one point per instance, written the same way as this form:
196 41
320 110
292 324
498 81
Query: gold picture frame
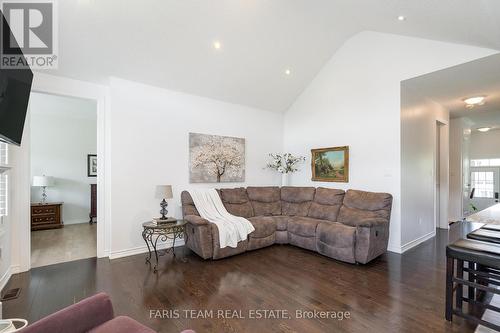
330 164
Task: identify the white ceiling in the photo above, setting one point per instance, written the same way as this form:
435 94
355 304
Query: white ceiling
450 86
168 43
62 106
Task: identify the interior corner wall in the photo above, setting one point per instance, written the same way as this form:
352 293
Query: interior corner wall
355 100
149 130
419 162
459 164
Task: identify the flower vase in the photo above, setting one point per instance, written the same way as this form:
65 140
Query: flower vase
284 179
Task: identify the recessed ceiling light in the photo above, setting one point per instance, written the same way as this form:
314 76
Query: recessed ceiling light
474 101
217 45
288 71
401 18
484 129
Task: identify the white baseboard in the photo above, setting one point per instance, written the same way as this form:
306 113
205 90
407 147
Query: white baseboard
71 222
142 249
417 241
395 249
14 269
104 254
5 278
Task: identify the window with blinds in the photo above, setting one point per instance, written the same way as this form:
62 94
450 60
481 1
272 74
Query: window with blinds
4 161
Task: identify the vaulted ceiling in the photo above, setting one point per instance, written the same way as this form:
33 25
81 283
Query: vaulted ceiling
170 43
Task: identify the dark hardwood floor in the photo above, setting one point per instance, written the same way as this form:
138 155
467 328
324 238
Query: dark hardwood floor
395 293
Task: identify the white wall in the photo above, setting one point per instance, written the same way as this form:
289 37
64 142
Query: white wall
485 144
149 146
419 163
460 139
63 132
355 101
11 239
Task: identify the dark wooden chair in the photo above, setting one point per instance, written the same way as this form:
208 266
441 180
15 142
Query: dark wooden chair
480 261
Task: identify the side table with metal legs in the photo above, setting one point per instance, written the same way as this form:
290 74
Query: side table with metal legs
156 234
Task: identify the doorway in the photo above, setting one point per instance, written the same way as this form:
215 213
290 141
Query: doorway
441 161
485 184
21 231
63 134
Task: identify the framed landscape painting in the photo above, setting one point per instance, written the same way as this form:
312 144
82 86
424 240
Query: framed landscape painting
330 164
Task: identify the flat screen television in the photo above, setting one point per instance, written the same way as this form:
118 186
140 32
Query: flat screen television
15 88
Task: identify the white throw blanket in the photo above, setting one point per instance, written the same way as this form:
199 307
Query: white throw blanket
232 229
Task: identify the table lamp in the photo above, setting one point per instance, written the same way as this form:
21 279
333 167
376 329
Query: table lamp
163 192
43 182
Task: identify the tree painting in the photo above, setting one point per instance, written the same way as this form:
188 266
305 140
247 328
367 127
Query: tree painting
216 159
330 164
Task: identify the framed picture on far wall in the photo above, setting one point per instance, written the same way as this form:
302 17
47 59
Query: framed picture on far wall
92 165
330 164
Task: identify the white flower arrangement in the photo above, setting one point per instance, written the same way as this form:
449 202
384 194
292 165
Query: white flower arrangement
284 163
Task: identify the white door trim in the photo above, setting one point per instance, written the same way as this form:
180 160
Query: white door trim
56 85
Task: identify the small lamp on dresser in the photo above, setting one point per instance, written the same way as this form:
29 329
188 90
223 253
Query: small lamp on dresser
164 192
43 182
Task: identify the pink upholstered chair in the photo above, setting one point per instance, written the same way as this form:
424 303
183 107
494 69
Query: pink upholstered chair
91 315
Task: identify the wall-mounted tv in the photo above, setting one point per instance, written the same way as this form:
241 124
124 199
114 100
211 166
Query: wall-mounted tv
15 87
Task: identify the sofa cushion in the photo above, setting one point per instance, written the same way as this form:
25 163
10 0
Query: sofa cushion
236 201
228 251
303 226
281 222
265 200
281 237
121 324
360 205
255 243
264 226
295 201
336 240
326 204
372 201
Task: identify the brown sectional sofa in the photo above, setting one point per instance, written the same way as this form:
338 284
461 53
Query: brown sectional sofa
351 226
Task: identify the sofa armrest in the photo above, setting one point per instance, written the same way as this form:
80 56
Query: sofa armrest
199 236
196 220
77 318
370 222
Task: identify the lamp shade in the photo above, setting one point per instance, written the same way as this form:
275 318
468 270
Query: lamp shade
41 181
164 192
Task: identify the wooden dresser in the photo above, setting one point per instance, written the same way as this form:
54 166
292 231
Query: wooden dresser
93 203
46 216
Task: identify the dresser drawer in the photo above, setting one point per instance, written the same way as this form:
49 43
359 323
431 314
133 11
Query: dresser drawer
44 210
48 219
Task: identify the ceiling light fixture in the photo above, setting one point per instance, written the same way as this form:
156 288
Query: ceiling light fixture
401 18
484 129
474 101
217 45
288 71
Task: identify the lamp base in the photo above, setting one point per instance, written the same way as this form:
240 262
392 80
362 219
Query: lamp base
163 211
44 195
